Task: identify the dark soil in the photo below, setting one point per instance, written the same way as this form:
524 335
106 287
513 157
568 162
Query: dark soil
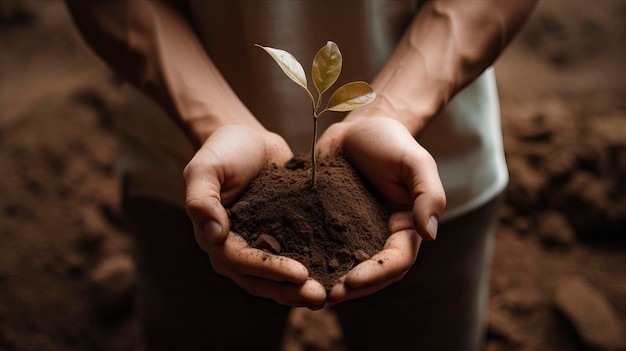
329 228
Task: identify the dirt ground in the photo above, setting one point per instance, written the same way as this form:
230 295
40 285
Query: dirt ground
558 277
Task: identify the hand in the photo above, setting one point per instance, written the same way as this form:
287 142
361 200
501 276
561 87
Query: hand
219 172
387 155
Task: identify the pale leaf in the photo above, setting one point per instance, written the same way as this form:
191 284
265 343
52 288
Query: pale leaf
326 67
351 96
289 64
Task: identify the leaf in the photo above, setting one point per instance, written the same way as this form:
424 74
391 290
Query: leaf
326 67
350 96
289 64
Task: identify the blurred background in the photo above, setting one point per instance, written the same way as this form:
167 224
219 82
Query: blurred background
559 274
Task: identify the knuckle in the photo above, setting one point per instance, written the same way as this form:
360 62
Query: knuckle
189 169
439 198
254 288
194 206
218 266
203 162
208 201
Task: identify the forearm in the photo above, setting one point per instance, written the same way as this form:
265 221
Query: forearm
153 47
448 44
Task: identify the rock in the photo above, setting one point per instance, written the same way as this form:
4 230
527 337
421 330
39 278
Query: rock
361 255
555 230
591 314
344 255
113 285
267 242
333 265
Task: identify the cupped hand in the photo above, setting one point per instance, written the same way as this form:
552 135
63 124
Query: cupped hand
405 174
218 173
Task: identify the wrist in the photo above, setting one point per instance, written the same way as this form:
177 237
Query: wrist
413 111
199 127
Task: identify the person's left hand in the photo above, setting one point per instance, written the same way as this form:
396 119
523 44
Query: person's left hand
391 160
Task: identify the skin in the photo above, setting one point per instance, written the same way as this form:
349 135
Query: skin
447 45
217 174
388 155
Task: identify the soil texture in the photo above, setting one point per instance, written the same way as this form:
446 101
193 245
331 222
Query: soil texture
329 228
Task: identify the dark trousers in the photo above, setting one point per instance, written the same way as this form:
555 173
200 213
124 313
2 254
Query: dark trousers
184 305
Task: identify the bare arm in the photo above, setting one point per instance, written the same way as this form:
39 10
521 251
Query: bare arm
448 44
152 46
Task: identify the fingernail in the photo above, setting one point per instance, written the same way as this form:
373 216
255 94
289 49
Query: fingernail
431 226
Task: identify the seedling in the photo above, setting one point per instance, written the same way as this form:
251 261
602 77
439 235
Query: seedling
325 71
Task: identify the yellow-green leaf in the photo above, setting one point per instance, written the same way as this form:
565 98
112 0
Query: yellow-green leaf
350 96
326 67
289 64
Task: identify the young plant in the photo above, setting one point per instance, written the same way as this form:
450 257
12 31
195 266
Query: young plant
325 71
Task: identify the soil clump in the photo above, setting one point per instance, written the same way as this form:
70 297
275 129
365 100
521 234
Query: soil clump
329 228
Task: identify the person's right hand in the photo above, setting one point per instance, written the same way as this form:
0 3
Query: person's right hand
218 173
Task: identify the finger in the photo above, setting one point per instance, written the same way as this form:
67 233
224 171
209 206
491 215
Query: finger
417 170
429 198
241 259
384 268
310 294
330 142
212 176
370 277
340 292
227 162
203 177
210 220
393 261
277 149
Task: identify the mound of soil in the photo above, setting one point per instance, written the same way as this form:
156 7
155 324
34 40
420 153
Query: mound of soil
329 228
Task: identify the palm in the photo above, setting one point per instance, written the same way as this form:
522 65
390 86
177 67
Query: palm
227 162
388 156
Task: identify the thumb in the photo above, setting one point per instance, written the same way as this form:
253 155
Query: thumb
219 171
203 203
210 221
429 199
426 216
330 142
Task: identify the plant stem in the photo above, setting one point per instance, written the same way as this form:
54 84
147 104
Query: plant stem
313 161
